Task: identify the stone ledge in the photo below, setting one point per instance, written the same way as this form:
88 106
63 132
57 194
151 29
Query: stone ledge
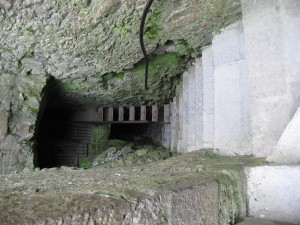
144 194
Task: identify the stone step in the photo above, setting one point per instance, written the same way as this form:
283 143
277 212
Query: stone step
255 221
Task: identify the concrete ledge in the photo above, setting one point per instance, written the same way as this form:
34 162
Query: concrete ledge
274 193
254 221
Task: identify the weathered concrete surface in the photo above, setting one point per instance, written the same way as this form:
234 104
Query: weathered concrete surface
231 119
287 149
199 104
273 192
271 30
254 221
190 109
190 189
229 45
208 97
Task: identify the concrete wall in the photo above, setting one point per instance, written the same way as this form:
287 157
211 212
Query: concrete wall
287 149
231 114
241 95
208 96
188 122
274 193
241 98
271 30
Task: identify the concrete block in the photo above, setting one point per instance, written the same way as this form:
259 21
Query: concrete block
287 149
231 132
3 124
199 105
174 124
185 115
180 116
291 16
271 34
256 221
208 98
274 193
229 45
192 111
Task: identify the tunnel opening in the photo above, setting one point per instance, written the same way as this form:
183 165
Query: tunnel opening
67 134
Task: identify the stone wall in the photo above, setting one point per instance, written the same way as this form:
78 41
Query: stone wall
19 107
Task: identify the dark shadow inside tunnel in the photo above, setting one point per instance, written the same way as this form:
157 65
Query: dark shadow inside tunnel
133 132
52 127
61 139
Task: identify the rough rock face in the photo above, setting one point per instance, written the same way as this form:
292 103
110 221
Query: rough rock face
91 49
195 188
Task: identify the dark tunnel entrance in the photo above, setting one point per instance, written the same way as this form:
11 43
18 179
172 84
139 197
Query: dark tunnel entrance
56 138
64 134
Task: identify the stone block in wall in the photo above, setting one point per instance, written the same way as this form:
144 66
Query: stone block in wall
180 104
231 130
185 113
174 124
287 149
192 110
271 35
273 193
3 124
198 120
229 45
208 97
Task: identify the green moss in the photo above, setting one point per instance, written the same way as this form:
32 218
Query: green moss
27 30
160 66
85 163
98 144
119 75
183 47
153 27
32 128
122 29
35 111
57 2
70 87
